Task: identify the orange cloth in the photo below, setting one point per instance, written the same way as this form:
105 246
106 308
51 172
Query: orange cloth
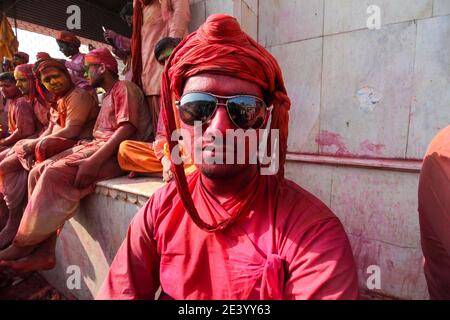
434 214
137 156
8 41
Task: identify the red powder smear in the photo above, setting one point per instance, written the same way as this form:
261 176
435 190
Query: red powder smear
371 148
330 139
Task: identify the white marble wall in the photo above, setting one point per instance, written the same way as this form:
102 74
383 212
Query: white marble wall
367 94
245 11
382 93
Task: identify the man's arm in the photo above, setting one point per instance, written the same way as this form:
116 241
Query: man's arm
88 168
321 264
26 125
134 273
179 22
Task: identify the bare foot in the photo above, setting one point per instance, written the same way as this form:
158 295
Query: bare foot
41 258
33 262
14 252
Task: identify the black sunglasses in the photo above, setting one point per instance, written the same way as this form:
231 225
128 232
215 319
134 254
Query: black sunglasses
245 111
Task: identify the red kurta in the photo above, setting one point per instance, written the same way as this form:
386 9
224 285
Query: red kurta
290 246
434 214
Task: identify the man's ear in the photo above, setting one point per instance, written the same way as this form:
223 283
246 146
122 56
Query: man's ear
102 68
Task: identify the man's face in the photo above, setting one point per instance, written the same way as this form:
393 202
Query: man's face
66 48
94 74
9 89
22 82
56 81
220 122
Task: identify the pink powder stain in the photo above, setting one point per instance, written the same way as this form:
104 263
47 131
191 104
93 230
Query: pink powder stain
331 139
371 148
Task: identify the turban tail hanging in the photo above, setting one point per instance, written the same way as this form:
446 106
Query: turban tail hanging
219 46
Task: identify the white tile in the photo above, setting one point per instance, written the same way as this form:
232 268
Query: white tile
367 89
198 15
401 269
441 7
315 179
301 63
378 205
431 105
219 6
253 5
347 15
283 21
249 20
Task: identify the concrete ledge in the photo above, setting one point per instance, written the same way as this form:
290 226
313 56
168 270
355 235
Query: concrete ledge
88 242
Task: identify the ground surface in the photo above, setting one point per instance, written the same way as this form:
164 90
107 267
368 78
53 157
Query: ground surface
29 287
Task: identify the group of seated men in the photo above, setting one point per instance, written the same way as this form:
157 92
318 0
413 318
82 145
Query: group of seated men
58 142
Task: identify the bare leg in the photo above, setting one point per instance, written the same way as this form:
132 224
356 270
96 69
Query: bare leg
42 258
9 232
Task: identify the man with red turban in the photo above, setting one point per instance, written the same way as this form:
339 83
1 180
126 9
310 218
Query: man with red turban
69 45
230 231
55 190
152 21
72 118
21 121
434 215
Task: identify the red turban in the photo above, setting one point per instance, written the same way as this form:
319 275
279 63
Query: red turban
219 46
43 64
27 71
68 37
23 56
42 55
102 55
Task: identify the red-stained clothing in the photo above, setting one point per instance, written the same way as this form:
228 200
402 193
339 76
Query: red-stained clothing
290 246
42 114
434 214
52 196
123 104
21 117
122 49
154 28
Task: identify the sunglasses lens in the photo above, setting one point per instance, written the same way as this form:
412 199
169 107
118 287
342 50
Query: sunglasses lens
247 112
196 107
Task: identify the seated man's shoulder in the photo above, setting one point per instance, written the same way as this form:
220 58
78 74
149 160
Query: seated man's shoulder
23 102
298 206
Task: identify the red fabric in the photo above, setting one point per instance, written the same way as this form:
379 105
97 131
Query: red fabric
136 44
289 246
434 214
68 37
50 146
102 55
21 117
42 55
220 46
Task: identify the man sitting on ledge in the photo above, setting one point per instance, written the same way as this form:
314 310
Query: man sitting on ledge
228 231
56 191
